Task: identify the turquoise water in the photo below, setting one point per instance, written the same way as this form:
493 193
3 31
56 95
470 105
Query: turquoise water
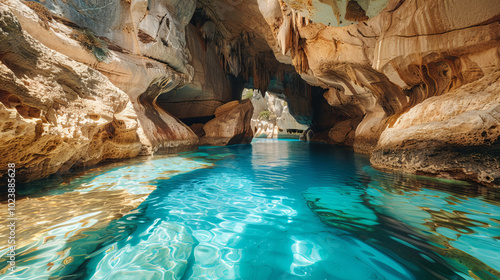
270 210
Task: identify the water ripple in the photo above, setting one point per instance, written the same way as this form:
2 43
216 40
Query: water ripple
273 210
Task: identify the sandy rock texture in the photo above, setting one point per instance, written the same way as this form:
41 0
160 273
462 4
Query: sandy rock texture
383 66
142 67
264 128
231 126
337 13
56 113
150 28
453 135
378 69
354 71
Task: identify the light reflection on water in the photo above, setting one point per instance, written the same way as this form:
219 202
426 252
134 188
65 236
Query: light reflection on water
271 210
70 217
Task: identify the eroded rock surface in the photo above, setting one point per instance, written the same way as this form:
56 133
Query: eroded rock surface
454 135
375 71
210 86
378 69
230 127
56 113
351 70
142 68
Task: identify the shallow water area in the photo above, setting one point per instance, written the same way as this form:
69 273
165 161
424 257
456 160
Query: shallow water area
269 210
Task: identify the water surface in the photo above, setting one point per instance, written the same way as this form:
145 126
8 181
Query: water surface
270 210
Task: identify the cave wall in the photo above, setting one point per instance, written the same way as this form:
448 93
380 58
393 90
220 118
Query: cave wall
139 46
386 71
358 72
67 117
57 113
210 87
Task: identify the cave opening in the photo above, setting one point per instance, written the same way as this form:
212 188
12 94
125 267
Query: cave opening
226 63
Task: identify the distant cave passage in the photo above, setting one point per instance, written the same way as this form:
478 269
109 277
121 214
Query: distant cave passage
294 131
191 121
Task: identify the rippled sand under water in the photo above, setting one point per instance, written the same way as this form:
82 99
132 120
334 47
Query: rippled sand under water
270 210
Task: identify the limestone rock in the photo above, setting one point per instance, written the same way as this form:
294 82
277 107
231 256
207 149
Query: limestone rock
210 86
197 128
342 133
56 113
287 123
259 103
164 132
264 128
274 104
231 127
280 122
226 108
455 135
152 28
143 79
393 79
352 70
337 13
404 53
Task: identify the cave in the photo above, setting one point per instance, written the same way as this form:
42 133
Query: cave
256 139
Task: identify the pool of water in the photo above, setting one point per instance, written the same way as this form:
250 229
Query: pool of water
270 210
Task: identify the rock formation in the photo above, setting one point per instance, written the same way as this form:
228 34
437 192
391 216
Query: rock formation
210 86
272 119
230 126
364 73
56 113
453 135
378 73
108 38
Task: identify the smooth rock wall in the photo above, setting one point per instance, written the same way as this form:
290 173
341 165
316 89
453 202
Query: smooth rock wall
142 75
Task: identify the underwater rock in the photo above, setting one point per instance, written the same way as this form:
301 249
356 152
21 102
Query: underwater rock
163 254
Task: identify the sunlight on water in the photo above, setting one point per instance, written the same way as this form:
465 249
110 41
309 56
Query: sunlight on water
60 226
270 210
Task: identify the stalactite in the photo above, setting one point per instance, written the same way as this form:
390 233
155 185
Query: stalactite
284 35
289 40
234 52
261 74
300 61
